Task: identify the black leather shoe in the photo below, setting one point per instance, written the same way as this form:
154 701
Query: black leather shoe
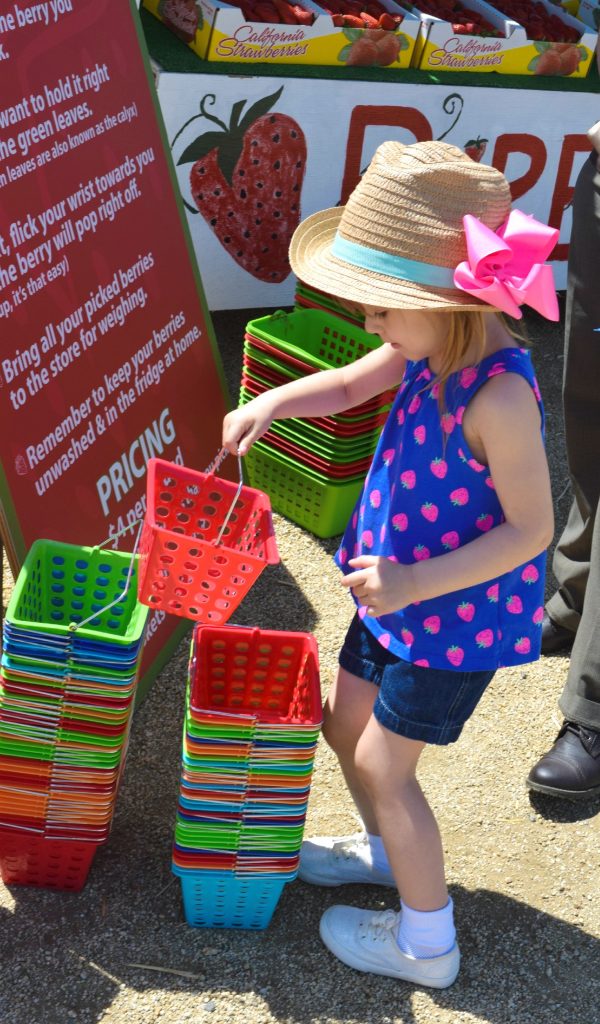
555 638
571 769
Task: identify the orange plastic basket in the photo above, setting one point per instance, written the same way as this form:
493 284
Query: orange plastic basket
205 541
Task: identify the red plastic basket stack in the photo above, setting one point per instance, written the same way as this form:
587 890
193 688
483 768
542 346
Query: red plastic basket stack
203 544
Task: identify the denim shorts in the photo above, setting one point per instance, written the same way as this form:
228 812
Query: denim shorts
428 704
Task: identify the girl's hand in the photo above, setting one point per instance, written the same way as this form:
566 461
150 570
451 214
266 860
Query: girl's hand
244 426
380 584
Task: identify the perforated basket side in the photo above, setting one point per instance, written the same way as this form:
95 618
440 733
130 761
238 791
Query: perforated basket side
318 505
63 583
221 900
48 863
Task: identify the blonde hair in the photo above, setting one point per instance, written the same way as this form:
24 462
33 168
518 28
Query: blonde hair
466 331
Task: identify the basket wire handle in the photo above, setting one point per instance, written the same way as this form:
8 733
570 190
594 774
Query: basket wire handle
74 626
212 468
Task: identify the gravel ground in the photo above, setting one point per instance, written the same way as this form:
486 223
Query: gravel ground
522 871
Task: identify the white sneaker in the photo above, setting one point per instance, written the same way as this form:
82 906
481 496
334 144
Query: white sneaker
367 941
339 861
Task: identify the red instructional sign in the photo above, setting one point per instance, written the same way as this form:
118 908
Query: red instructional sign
107 354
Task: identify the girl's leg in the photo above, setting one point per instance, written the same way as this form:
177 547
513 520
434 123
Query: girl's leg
362 858
385 764
347 711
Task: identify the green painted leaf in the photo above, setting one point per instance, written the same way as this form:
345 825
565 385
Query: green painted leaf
404 43
353 34
533 64
200 147
583 52
258 109
541 46
236 113
228 155
344 53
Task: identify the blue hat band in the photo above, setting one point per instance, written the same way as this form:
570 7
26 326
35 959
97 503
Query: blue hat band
390 265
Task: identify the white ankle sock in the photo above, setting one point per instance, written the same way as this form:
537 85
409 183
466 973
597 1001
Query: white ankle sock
379 857
426 933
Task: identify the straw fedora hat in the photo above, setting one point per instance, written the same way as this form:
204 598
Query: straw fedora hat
400 236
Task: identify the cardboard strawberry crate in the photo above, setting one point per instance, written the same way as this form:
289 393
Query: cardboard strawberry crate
185 19
224 34
510 51
589 13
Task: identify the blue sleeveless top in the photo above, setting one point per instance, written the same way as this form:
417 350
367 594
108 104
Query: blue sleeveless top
425 494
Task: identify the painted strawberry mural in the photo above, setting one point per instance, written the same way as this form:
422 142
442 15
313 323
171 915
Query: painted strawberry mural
475 148
246 180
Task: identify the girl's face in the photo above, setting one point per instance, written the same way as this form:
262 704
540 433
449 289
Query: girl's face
416 334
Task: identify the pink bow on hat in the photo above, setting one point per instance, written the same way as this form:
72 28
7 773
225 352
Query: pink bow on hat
506 268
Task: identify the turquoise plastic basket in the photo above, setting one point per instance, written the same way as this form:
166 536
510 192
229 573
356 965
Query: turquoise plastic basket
215 899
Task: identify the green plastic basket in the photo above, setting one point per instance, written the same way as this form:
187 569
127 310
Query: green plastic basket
309 499
60 584
319 338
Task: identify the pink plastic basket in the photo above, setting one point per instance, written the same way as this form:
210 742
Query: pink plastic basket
205 541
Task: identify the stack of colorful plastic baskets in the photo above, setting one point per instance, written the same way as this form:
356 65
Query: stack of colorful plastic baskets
66 698
312 298
312 469
204 543
253 716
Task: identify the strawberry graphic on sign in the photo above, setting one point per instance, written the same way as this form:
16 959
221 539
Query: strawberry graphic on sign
246 181
475 148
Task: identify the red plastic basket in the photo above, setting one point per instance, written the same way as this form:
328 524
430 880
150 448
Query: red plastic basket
27 859
272 675
203 544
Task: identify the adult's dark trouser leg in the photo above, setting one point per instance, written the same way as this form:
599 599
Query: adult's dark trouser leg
580 699
577 556
581 401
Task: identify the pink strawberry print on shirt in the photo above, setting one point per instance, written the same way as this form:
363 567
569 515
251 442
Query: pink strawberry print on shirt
419 434
382 533
400 521
459 496
408 479
455 655
468 376
493 592
421 553
388 456
450 540
484 638
439 467
422 662
530 574
429 511
496 369
407 636
460 412
514 605
432 624
415 405
465 611
448 421
484 522
523 645
366 539
343 556
384 640
538 616
375 498
400 416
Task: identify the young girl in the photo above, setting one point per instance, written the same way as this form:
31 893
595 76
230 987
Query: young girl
444 555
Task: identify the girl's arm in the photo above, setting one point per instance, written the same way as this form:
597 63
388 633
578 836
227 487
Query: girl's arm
505 418
317 394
